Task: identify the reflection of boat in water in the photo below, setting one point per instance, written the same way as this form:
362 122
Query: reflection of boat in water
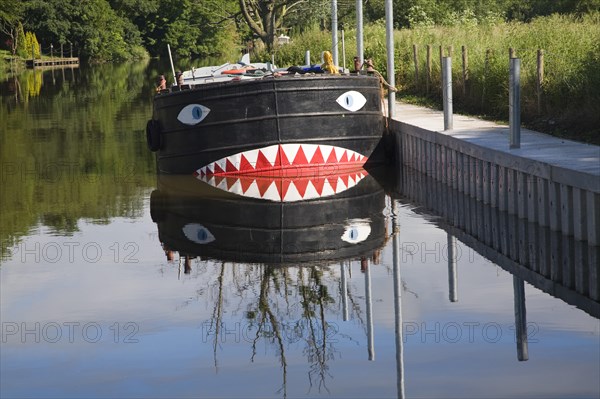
195 218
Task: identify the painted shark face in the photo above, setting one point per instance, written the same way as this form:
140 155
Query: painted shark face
357 230
352 100
285 160
197 233
193 114
283 189
286 172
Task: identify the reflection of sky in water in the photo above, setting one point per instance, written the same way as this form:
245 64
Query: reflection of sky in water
175 355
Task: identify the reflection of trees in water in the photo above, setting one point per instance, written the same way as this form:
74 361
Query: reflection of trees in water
282 307
72 147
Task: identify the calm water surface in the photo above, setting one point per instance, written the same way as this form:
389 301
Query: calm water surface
116 283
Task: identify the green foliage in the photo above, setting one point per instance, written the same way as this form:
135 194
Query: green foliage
570 98
21 48
77 152
570 101
106 30
30 45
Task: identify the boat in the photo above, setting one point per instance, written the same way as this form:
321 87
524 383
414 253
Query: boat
253 118
197 219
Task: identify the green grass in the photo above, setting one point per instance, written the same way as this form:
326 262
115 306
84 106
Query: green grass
570 96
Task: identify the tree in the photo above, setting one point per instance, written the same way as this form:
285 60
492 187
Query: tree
11 12
265 17
92 26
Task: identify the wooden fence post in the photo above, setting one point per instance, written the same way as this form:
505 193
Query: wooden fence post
540 78
416 60
465 69
441 63
511 53
486 67
428 67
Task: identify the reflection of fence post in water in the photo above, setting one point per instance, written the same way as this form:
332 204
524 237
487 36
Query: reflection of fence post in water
520 319
344 292
452 279
367 268
397 300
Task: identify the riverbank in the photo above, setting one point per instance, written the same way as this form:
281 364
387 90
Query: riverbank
549 181
560 78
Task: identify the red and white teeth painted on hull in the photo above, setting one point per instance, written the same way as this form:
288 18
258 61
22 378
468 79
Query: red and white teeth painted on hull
287 189
285 160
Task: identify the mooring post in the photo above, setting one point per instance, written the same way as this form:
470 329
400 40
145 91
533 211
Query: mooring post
452 276
514 103
344 292
334 32
520 319
343 51
369 304
389 36
397 300
359 31
447 92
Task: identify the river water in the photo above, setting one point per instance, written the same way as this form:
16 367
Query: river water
115 283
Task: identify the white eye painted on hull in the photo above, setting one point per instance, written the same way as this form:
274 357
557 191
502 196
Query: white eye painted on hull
352 100
357 230
193 114
198 233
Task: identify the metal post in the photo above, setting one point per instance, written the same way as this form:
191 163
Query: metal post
307 57
389 35
359 32
334 32
452 280
514 103
344 292
343 51
520 319
369 303
447 92
397 301
172 66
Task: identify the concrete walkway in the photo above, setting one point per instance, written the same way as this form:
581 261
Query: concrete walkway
564 155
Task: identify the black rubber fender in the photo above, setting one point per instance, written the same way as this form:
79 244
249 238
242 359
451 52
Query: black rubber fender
153 135
157 206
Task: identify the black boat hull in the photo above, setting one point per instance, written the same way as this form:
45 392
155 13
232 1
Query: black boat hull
196 219
239 116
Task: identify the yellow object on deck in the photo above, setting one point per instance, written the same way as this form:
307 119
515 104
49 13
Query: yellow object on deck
328 65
